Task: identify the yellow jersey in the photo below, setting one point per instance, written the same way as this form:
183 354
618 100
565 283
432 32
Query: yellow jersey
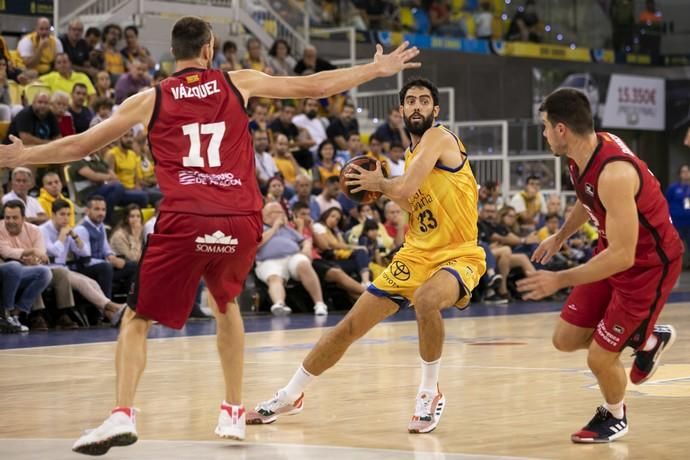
444 209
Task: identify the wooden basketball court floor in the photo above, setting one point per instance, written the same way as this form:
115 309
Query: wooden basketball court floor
509 393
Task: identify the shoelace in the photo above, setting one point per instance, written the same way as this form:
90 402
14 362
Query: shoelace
423 407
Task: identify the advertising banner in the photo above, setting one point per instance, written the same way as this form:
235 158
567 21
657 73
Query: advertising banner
635 103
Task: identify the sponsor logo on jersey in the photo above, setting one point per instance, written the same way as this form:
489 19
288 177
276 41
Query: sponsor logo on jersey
217 243
200 91
618 329
193 78
188 177
589 189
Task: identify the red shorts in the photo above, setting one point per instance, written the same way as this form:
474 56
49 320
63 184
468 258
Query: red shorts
183 249
624 308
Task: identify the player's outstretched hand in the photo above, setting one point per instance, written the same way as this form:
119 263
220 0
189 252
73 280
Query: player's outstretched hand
397 60
546 250
11 154
364 179
538 285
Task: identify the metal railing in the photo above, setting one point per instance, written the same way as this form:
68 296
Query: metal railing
90 8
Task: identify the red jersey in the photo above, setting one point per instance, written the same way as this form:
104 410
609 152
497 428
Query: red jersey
658 242
200 140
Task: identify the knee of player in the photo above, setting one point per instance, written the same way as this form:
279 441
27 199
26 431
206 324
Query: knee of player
426 302
563 343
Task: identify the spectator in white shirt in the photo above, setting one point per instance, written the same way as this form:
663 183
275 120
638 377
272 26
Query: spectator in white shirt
312 123
327 199
22 181
265 165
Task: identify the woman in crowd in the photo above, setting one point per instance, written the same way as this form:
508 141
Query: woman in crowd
128 238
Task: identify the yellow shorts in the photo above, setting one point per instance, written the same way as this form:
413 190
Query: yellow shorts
410 268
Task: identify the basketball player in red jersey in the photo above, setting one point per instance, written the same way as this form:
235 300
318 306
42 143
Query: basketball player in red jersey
620 292
210 220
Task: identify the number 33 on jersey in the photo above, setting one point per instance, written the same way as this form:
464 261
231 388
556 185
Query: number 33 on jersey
202 141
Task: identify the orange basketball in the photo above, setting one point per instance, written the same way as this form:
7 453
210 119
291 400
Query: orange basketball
365 162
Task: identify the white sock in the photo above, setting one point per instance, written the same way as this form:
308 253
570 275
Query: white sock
297 384
430 372
615 409
650 343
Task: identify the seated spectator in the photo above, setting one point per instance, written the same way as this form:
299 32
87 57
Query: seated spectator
265 165
51 192
254 58
39 48
22 241
275 193
299 141
393 131
491 193
442 22
35 124
552 222
510 232
77 48
99 261
146 171
81 113
311 63
20 289
134 51
232 62
303 189
5 99
326 165
369 239
103 109
104 87
113 60
328 197
525 24
365 214
492 234
59 103
529 204
127 166
310 121
63 78
279 59
396 160
60 239
376 152
284 160
327 270
553 206
258 119
93 176
128 239
22 180
133 81
342 126
332 246
395 222
13 68
283 254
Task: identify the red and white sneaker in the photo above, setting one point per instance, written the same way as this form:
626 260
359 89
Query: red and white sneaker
269 411
118 430
427 412
231 422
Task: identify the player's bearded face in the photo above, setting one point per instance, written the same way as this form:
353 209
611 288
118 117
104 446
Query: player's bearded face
416 122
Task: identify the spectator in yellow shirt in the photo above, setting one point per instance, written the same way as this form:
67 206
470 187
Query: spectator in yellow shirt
63 78
39 48
126 164
286 163
51 192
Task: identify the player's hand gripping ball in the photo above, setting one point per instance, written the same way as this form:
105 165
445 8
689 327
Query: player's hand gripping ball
356 192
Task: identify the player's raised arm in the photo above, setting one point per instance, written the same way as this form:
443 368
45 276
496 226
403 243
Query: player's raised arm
136 109
323 84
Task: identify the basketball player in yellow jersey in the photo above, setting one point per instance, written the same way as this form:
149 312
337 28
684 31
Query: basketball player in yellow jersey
437 268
